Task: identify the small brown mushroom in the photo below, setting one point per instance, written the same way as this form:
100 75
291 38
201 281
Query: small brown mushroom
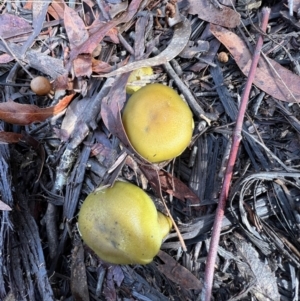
40 85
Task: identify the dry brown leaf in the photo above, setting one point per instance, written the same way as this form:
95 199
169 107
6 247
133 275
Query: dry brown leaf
10 137
12 25
113 35
75 27
79 286
24 114
83 65
106 155
111 107
56 10
100 66
286 88
177 273
175 187
98 35
153 178
180 39
39 11
206 11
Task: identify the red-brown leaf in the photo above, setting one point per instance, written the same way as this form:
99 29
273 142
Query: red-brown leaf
10 137
97 37
206 11
75 27
83 65
282 84
177 273
176 188
24 114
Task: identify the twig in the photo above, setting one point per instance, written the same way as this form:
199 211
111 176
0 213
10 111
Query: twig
211 258
291 4
15 57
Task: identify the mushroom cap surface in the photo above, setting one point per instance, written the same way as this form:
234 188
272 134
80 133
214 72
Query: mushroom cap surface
120 224
40 85
158 123
136 76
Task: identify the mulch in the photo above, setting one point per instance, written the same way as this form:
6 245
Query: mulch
56 149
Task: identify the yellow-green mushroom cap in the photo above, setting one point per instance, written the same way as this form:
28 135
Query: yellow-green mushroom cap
136 77
121 224
158 123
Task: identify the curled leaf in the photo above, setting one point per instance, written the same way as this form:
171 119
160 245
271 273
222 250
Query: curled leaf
180 39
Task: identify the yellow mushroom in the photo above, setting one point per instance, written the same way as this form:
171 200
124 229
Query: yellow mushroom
136 78
158 123
121 224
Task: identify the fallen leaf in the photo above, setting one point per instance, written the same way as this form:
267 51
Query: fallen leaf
106 155
113 35
175 187
78 282
46 64
206 11
28 5
39 11
100 66
10 137
4 207
180 38
253 268
139 40
56 10
286 87
62 82
177 273
111 106
75 27
98 35
73 116
12 25
190 51
5 58
83 65
153 178
116 8
24 114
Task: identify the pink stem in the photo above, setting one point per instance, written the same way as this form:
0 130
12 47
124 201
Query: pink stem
237 136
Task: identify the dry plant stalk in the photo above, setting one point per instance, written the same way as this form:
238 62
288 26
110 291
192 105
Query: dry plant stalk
237 136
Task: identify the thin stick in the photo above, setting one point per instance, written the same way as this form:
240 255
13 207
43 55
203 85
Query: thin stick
14 56
237 136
